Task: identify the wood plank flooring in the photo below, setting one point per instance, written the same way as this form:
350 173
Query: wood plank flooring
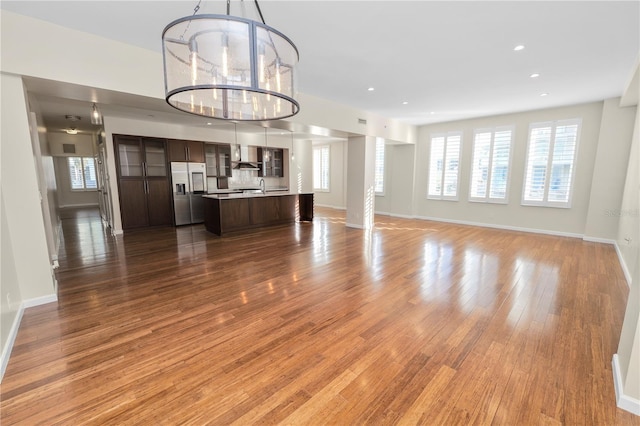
415 322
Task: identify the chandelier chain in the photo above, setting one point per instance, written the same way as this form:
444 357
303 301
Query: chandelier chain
195 10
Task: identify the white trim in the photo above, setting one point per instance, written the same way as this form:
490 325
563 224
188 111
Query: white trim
505 227
8 346
75 206
402 216
353 225
330 207
598 240
623 264
37 301
625 402
13 332
114 232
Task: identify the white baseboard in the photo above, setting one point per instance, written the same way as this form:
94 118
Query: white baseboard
11 338
13 332
119 232
402 216
353 225
623 401
505 227
37 301
77 206
330 207
599 240
623 264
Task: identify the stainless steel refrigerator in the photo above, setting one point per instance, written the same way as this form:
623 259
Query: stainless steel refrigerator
189 183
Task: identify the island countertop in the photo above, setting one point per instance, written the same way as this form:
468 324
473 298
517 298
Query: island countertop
224 213
256 194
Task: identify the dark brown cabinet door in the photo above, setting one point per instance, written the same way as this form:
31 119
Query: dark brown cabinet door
191 151
271 163
145 192
159 202
195 151
218 160
133 203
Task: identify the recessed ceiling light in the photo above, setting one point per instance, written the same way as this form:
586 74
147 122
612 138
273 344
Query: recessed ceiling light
72 131
432 112
405 103
544 94
209 123
534 75
518 47
371 89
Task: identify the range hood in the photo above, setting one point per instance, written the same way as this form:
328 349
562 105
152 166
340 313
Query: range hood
247 161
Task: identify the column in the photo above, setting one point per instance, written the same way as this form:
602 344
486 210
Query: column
361 157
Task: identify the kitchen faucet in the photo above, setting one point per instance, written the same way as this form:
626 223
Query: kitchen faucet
263 187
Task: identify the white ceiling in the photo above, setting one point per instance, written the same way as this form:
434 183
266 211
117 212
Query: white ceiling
448 60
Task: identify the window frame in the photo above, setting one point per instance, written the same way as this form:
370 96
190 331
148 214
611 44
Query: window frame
84 181
320 148
487 198
380 142
446 136
545 202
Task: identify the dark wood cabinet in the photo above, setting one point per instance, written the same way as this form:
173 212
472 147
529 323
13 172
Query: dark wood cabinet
226 213
191 151
272 159
143 181
218 160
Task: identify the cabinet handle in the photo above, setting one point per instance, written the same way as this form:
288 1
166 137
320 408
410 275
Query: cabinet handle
146 187
144 168
187 153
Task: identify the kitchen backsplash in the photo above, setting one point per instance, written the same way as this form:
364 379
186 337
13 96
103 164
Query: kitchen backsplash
248 179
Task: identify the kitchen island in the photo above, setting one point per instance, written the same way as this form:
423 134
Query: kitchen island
224 213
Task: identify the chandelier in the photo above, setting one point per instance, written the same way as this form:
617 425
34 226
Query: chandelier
229 67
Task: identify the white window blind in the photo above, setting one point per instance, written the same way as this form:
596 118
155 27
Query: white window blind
82 173
490 165
321 168
444 166
550 162
379 167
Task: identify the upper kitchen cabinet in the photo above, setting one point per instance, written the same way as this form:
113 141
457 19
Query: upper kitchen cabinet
271 165
143 181
218 160
191 151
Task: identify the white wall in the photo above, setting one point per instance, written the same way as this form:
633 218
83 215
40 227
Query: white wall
301 167
24 243
399 171
610 170
66 196
628 241
10 296
336 197
84 147
569 221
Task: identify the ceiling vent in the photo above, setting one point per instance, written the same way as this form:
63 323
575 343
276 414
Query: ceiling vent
362 121
69 148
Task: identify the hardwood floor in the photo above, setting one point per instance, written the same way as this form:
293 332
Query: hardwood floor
415 322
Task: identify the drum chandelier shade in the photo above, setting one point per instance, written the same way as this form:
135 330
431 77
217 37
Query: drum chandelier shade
230 68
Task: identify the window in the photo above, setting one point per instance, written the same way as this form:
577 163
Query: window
550 163
490 165
379 168
321 168
443 166
82 173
